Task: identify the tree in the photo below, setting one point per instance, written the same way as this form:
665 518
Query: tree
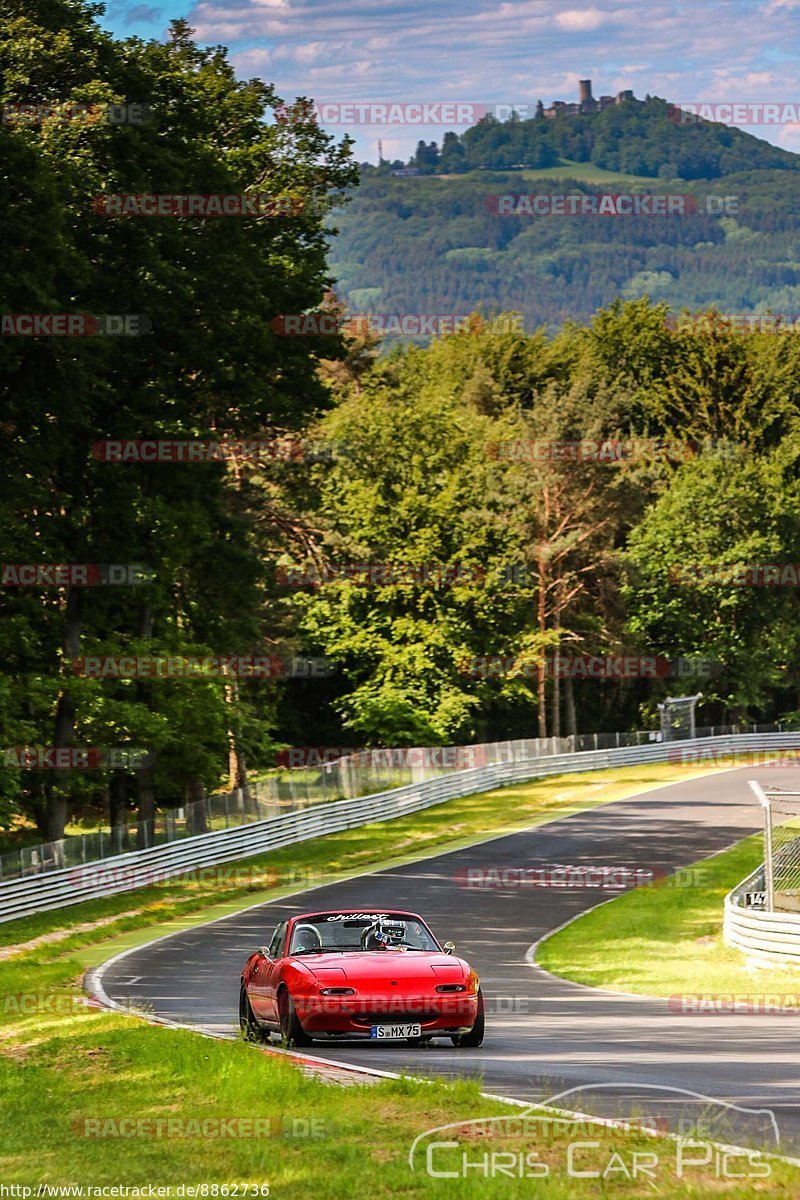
213 366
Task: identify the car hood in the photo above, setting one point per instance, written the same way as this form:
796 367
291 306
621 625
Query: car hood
387 964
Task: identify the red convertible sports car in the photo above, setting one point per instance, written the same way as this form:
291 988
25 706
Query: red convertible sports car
347 973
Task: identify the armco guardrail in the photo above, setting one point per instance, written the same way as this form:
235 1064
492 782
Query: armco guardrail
329 774
57 889
768 937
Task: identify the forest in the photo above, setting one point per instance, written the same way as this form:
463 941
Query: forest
575 472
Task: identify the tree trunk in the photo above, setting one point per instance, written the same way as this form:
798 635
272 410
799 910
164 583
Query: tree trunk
57 789
541 571
569 708
196 816
237 768
145 776
146 791
241 777
117 806
555 699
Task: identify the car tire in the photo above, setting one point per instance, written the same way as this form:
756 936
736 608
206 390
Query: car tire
475 1035
249 1026
292 1032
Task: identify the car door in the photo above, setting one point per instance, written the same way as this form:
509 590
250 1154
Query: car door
272 972
263 983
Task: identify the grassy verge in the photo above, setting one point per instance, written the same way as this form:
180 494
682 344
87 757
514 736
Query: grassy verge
100 1099
667 940
105 1101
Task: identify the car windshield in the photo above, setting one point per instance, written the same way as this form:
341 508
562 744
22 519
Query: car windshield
331 932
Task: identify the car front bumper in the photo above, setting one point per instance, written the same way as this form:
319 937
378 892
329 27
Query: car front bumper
437 1013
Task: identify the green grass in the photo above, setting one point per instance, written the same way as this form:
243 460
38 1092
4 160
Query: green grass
666 940
61 1079
63 1065
568 169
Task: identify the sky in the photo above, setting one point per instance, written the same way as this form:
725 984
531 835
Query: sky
410 52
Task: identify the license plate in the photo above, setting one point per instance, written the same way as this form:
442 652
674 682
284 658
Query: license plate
395 1031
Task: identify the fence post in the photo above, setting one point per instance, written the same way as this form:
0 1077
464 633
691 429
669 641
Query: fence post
769 881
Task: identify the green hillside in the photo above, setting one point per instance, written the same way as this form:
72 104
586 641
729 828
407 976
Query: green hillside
433 245
637 137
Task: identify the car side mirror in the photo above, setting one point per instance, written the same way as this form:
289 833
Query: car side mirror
449 947
262 952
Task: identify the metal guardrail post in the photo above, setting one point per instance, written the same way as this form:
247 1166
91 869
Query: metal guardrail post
769 883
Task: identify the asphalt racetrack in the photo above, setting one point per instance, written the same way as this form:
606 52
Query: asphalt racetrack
600 1053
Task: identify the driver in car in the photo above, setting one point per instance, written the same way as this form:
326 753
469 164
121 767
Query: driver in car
381 937
306 939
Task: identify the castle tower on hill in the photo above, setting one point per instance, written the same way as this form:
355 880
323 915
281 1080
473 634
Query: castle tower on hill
586 102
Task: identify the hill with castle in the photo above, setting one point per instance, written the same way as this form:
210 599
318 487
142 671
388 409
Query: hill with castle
438 242
615 133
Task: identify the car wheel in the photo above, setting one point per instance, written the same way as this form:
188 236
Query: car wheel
475 1035
251 1030
292 1032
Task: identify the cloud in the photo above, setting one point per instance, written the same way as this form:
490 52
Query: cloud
789 137
309 51
580 20
491 51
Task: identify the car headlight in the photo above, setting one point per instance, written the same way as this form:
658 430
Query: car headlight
337 991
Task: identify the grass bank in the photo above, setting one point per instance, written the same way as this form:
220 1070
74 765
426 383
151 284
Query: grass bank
666 940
